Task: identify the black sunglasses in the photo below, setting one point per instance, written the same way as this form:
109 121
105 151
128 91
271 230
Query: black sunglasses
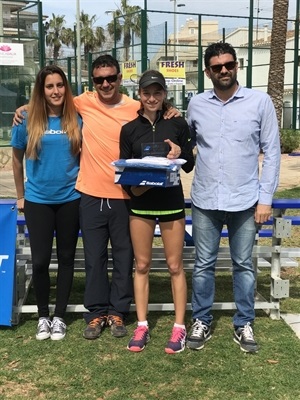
109 79
218 67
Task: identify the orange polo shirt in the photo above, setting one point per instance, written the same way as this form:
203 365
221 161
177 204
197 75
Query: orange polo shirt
100 143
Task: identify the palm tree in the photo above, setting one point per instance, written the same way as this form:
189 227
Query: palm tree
126 22
91 38
100 36
53 32
277 55
68 37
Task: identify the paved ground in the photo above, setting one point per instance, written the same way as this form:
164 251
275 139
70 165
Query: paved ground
293 320
289 178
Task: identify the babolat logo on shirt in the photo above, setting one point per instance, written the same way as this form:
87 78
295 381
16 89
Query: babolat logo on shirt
54 132
148 183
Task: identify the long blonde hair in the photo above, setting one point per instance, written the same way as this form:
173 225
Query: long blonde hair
38 114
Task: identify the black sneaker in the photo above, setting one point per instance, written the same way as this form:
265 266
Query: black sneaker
95 327
244 337
198 335
117 326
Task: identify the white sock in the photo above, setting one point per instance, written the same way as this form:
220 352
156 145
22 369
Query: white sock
179 326
143 323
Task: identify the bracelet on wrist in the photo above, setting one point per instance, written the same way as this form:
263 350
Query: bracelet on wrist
20 198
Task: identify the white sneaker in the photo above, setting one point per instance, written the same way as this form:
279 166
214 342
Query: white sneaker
44 329
58 329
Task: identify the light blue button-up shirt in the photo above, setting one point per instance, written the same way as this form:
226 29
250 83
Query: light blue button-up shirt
230 136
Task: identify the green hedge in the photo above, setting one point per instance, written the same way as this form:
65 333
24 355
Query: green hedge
290 140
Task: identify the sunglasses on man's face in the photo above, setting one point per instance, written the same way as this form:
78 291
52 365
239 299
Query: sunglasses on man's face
109 79
218 67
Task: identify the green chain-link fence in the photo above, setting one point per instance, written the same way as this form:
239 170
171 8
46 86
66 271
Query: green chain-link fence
157 42
21 23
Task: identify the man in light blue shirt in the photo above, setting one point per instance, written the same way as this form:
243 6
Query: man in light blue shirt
231 126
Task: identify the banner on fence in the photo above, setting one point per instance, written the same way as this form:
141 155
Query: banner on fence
8 223
173 71
129 73
12 54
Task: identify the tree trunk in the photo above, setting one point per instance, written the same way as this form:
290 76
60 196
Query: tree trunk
277 55
126 42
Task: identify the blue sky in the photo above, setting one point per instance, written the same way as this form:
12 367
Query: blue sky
98 8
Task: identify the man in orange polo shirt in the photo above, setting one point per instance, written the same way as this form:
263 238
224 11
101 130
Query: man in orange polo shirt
104 205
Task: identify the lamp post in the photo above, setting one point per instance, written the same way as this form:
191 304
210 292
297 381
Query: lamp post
176 41
176 26
78 45
75 57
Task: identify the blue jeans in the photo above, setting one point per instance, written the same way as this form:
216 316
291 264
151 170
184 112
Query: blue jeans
207 228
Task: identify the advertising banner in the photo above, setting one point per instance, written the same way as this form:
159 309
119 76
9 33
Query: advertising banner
129 73
173 71
8 223
11 54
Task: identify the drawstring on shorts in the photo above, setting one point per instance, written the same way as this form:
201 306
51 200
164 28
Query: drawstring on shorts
107 203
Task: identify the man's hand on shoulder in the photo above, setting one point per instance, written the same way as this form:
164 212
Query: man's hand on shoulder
18 117
172 112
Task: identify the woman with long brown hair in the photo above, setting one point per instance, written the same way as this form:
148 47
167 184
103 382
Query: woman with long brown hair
49 138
